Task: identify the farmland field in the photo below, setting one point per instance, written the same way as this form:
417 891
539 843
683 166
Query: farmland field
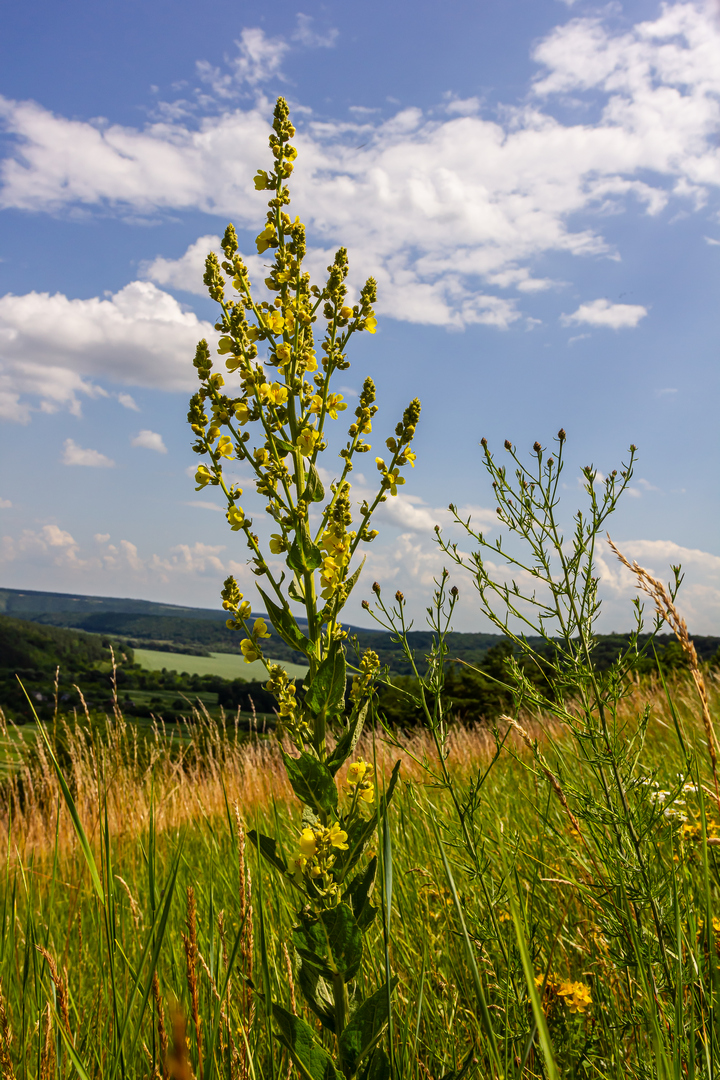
226 665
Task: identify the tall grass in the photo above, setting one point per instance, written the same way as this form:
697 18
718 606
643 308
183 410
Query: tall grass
150 954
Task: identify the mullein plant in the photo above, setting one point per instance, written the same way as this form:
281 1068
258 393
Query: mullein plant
275 422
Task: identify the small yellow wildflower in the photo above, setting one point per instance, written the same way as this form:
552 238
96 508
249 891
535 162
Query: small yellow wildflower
261 181
371 325
242 413
575 995
274 393
337 837
265 238
307 439
260 629
410 456
274 321
236 517
250 653
308 843
357 771
277 544
284 353
346 312
225 447
202 477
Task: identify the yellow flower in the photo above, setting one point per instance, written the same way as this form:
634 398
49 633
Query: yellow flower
249 651
309 361
410 456
297 865
277 544
274 321
225 345
316 403
261 455
260 629
261 181
357 771
233 363
308 843
242 413
346 312
393 480
335 404
368 794
307 440
337 837
236 517
225 447
284 353
274 393
265 238
244 610
202 477
371 324
575 995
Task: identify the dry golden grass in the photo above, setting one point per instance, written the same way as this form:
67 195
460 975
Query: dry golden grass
213 766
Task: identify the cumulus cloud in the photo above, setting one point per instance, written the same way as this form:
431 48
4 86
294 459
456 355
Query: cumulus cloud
75 455
445 209
52 347
128 402
604 313
5 504
149 440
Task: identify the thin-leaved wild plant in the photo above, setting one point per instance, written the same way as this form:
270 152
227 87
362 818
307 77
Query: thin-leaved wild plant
640 841
271 410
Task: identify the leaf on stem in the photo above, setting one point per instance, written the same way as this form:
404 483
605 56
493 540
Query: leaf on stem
312 1062
325 695
365 1029
286 626
312 782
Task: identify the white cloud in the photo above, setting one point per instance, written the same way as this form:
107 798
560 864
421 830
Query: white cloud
128 402
149 440
439 208
309 37
204 504
5 504
51 347
259 58
699 597
604 313
75 455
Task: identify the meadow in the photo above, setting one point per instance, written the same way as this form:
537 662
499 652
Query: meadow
148 952
377 890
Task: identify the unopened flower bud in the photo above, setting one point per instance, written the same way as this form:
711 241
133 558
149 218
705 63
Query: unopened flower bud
365 605
399 597
537 447
376 588
455 592
483 443
508 444
561 435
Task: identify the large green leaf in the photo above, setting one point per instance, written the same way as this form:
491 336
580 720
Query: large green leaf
365 1029
314 491
267 845
357 895
325 695
312 1062
347 741
318 993
331 943
378 1066
312 782
304 556
286 626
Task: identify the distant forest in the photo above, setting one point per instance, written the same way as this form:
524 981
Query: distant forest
75 633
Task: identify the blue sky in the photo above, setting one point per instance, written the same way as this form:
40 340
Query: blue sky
534 184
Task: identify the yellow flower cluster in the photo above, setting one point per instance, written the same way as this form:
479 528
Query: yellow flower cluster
369 664
233 601
575 996
248 647
318 846
336 544
361 781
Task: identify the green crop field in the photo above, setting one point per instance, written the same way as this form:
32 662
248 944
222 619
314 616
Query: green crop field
226 665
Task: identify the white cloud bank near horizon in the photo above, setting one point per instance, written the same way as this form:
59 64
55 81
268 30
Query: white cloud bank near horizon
193 572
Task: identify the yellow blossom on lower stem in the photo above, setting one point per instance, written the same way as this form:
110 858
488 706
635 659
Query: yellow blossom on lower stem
260 629
274 393
284 354
242 413
225 447
277 544
308 843
356 772
337 837
250 653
